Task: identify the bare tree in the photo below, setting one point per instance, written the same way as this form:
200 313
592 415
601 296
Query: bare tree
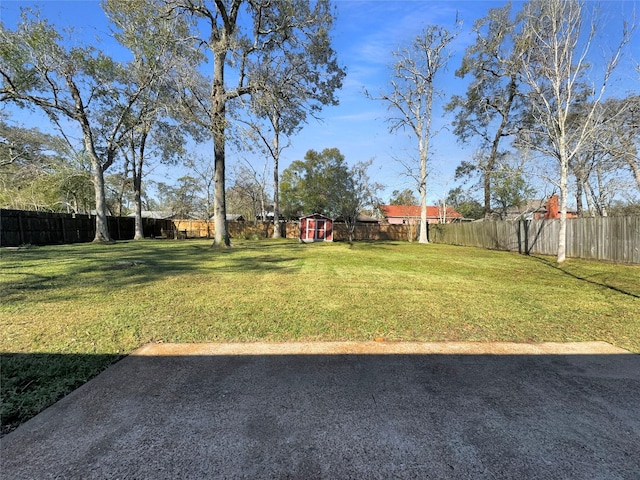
356 194
602 166
619 137
249 187
268 134
554 62
412 95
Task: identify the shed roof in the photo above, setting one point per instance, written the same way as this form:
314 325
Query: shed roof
316 215
157 214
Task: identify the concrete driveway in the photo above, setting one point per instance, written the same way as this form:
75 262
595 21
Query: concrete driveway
343 410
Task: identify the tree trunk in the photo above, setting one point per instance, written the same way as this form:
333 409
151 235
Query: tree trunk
423 238
493 157
592 201
221 236
487 187
634 165
97 168
562 234
137 194
276 200
579 194
602 198
123 187
102 228
137 165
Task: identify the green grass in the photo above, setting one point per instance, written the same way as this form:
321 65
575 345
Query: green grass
80 307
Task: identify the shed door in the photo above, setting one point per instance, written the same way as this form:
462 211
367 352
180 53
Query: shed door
310 230
320 229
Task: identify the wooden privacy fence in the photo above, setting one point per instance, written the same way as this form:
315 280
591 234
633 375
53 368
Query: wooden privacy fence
363 231
18 227
615 239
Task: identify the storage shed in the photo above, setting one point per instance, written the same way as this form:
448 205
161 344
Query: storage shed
316 228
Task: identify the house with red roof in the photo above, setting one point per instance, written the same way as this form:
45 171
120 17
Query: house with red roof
410 214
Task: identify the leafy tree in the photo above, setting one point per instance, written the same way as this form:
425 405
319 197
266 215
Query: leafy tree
463 202
76 188
39 171
403 197
248 194
160 50
511 187
625 209
24 147
244 42
489 108
78 84
183 200
202 171
323 183
117 188
315 184
411 97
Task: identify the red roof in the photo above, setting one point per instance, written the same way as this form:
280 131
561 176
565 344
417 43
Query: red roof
408 211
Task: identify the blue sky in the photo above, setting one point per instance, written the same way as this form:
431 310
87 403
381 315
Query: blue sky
365 34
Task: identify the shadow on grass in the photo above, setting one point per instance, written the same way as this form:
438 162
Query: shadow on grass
332 416
552 264
116 267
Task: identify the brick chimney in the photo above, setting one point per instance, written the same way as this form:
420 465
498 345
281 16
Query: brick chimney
552 208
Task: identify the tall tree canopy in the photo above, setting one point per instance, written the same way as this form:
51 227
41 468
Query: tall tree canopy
161 53
246 40
493 97
315 184
324 183
77 84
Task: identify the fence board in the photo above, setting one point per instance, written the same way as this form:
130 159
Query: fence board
614 239
364 231
19 227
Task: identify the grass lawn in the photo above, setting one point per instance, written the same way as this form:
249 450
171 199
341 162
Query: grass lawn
66 312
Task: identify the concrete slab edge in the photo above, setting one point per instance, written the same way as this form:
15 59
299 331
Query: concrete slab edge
380 348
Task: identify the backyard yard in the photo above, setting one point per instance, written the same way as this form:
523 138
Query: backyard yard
66 312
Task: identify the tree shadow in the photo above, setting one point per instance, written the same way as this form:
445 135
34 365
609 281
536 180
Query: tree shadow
552 264
100 267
